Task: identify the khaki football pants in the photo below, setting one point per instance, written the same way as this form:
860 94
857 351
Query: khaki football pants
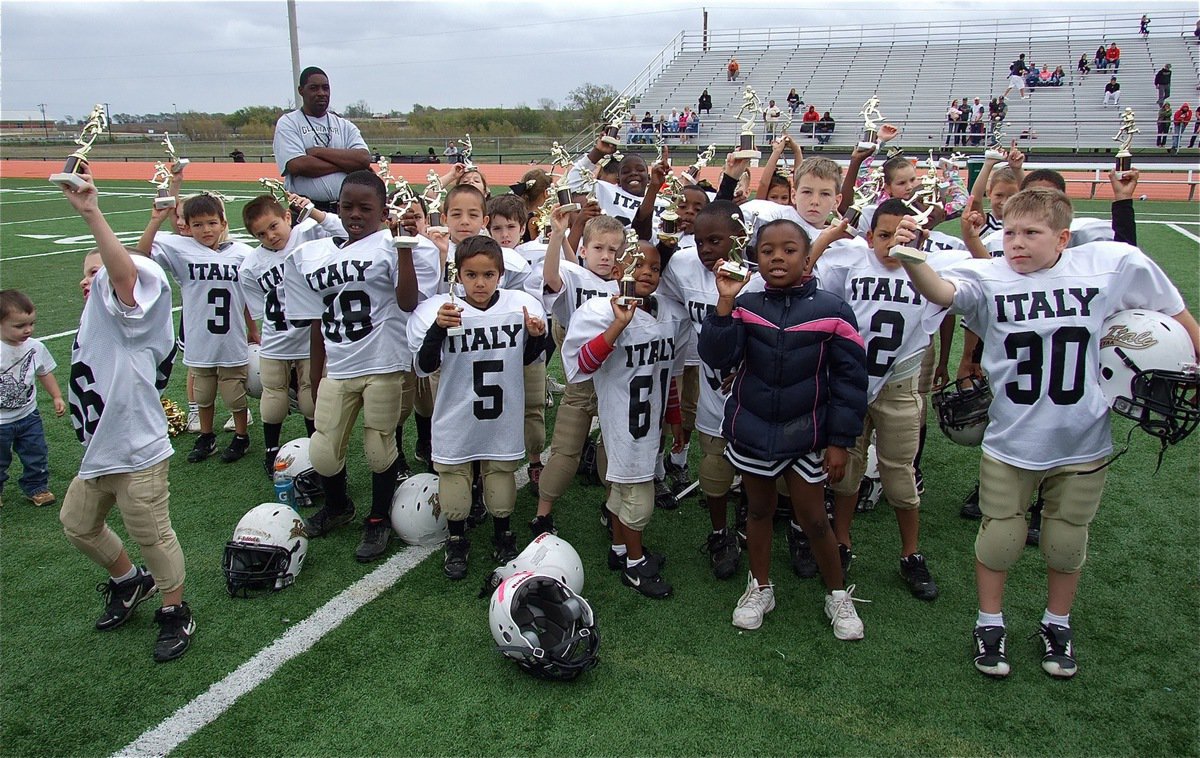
230 379
379 397
716 472
575 413
499 488
143 498
896 417
276 379
535 407
632 503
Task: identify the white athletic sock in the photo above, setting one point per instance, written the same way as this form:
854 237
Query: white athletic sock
989 619
1053 618
193 408
619 549
660 468
126 576
680 458
630 563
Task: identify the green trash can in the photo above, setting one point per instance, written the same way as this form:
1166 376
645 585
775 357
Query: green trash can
974 166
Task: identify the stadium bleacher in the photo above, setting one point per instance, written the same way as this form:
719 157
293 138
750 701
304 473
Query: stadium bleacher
917 69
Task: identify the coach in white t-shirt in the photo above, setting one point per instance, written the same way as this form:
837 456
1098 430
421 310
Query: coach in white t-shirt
314 147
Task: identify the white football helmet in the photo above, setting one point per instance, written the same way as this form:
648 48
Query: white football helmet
416 514
548 555
266 552
297 465
253 374
545 627
962 409
1148 373
870 489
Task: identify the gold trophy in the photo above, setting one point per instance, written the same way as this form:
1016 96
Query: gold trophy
562 191
864 194
400 201
995 147
669 230
928 196
434 195
467 150
702 160
299 212
543 214
632 257
385 173
77 162
871 118
1125 138
177 164
452 278
162 180
735 268
750 111
617 115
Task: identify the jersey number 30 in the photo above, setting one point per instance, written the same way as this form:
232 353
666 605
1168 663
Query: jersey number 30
1068 344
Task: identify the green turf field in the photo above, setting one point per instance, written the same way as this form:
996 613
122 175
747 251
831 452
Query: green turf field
414 672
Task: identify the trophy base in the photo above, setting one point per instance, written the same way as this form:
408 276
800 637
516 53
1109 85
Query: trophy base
629 301
739 272
1124 162
301 214
405 242
612 141
74 181
671 238
571 207
162 203
739 154
907 254
992 154
868 145
455 331
437 230
178 166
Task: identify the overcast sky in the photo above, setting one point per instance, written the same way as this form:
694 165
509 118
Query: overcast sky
210 55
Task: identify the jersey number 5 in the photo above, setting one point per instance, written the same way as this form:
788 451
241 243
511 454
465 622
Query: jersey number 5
491 396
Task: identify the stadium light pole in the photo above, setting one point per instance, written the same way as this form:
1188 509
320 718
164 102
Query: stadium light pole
295 43
176 108
45 126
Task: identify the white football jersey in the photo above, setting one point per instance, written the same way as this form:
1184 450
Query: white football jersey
579 285
688 283
120 363
261 279
1083 231
1041 335
533 251
517 275
894 320
213 306
619 204
480 409
632 383
351 288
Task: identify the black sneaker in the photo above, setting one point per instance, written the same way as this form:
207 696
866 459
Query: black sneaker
403 470
375 537
663 496
606 516
1033 534
920 480
803 563
535 476
970 506
990 644
617 562
237 448
1058 660
504 547
723 554
678 478
120 599
269 462
423 451
542 525
206 445
175 630
916 575
325 521
457 550
645 578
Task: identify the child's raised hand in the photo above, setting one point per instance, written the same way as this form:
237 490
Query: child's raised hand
60 406
449 315
727 286
622 314
835 463
735 167
1123 183
560 220
412 221
591 209
440 237
300 201
778 145
972 223
860 154
906 231
533 324
887 133
456 173
659 171
603 147
86 198
1016 159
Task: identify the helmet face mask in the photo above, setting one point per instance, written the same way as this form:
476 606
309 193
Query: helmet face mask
266 552
962 409
545 627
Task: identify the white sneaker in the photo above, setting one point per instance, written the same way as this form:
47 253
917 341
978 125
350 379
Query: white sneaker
549 399
554 386
231 425
193 422
756 602
839 608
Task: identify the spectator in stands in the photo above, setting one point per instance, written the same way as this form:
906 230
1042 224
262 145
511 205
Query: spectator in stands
794 102
1144 26
647 123
1031 78
1163 124
1195 133
1001 109
811 117
685 120
1112 92
952 123
673 122
1162 80
1084 68
1101 58
1056 78
732 69
1196 33
451 152
705 103
978 111
826 125
431 157
992 109
977 119
238 156
1016 77
1113 56
1183 117
770 116
964 118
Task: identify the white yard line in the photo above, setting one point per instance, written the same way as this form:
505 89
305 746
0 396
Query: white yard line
43 255
1184 232
68 218
68 333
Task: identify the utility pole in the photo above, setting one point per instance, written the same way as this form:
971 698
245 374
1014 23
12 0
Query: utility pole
295 40
45 126
108 122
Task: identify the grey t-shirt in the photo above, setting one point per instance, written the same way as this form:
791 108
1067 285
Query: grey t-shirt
295 133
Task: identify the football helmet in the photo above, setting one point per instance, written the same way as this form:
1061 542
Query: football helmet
589 467
267 550
870 489
253 374
298 466
545 627
416 514
962 409
1148 374
548 555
